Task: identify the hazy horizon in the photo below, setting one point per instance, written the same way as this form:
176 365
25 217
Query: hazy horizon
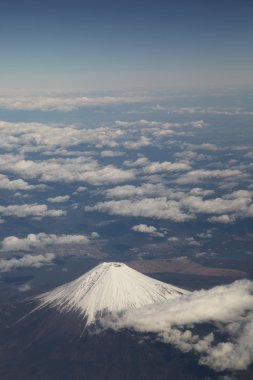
113 45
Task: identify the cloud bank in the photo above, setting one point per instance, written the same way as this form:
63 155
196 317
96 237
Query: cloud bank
228 309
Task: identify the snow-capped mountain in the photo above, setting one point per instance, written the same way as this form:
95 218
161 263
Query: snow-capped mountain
109 287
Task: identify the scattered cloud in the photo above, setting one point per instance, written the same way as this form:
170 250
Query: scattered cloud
173 239
111 153
141 161
65 170
200 175
35 210
146 189
224 111
59 199
26 261
16 184
151 230
175 206
24 287
156 167
13 243
80 189
158 208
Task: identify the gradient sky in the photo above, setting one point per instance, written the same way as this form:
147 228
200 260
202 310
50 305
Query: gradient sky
99 44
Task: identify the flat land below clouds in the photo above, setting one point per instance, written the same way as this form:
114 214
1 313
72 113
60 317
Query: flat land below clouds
183 266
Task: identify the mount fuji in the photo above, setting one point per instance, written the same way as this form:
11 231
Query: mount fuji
107 288
57 334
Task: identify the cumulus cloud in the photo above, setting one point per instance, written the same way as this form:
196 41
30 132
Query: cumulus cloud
158 208
59 199
24 287
196 176
143 141
190 156
26 261
80 189
65 170
228 309
16 184
151 230
216 205
156 167
141 161
13 243
175 205
35 210
198 191
146 189
225 219
53 139
173 239
111 153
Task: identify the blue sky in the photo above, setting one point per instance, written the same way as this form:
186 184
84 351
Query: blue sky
95 44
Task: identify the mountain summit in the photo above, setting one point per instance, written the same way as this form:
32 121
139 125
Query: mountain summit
109 287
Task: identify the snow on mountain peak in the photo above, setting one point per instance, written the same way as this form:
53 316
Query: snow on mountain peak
110 287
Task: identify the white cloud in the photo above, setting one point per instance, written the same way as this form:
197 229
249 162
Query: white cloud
176 206
82 169
228 308
226 111
203 146
24 288
146 189
111 153
59 199
143 141
173 239
141 161
65 102
16 184
94 235
225 219
151 230
13 243
156 167
80 189
199 192
158 208
54 138
198 124
26 261
216 205
35 210
191 156
196 176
